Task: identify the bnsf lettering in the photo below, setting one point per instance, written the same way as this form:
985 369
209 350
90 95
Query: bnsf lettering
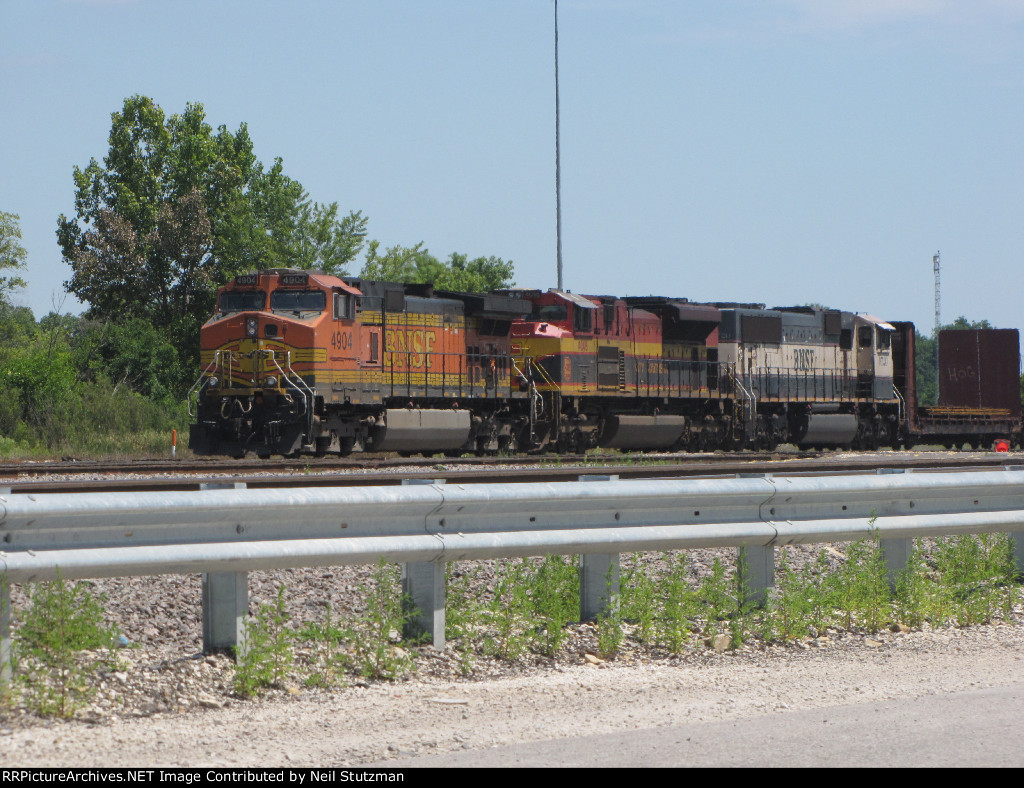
803 358
409 349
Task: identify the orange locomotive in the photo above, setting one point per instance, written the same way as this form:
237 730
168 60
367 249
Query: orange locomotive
299 361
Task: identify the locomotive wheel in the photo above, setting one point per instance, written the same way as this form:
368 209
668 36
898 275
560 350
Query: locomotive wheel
508 445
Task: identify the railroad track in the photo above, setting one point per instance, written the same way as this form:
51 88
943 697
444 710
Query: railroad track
154 475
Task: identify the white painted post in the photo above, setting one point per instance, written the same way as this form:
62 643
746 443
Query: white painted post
424 594
755 564
6 666
895 552
1017 536
599 576
755 569
225 601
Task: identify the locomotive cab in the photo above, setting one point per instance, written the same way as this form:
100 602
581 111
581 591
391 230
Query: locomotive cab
874 358
261 353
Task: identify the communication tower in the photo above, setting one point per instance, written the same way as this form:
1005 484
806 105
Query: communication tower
558 164
936 266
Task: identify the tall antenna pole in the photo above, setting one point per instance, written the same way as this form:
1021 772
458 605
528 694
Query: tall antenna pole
558 163
936 266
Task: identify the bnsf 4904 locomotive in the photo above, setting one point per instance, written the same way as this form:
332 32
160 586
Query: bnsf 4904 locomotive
296 361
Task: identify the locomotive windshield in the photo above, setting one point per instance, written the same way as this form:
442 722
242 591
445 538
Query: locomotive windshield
551 313
298 300
242 300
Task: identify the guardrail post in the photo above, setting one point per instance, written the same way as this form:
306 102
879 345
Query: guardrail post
225 600
6 665
755 570
599 575
1017 537
423 594
895 552
755 564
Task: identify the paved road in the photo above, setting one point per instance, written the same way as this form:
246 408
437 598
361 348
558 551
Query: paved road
978 728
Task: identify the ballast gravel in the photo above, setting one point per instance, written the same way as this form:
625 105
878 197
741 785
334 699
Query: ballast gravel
165 704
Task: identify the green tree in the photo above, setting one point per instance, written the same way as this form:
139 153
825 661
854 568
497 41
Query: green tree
12 255
176 209
416 264
326 243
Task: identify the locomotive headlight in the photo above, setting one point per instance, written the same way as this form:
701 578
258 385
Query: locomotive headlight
270 382
250 327
212 382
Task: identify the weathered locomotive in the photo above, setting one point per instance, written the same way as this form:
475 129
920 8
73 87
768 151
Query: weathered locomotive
297 361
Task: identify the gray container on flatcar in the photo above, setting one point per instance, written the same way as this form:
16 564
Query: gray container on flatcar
980 369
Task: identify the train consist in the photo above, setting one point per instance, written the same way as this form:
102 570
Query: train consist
297 361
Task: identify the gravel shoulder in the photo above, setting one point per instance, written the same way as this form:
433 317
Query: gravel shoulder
427 715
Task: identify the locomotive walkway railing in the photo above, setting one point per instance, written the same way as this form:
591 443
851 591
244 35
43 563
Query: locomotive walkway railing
225 533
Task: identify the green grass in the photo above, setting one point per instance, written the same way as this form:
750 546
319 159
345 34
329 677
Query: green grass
530 609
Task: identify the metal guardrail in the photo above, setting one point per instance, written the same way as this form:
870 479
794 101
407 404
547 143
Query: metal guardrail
228 532
128 533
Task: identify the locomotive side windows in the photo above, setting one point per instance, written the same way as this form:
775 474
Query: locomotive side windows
242 301
864 336
582 320
884 339
298 300
394 301
846 339
344 306
490 327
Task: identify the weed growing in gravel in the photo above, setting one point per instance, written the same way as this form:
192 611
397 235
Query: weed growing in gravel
328 661
973 571
862 587
268 654
637 602
62 621
610 633
463 613
376 633
675 604
715 601
916 597
508 615
555 591
790 611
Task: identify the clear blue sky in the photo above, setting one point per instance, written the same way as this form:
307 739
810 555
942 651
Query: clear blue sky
784 151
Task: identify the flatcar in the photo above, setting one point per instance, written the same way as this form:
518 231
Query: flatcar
301 362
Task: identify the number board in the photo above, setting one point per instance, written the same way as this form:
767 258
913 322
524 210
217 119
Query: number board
295 279
247 280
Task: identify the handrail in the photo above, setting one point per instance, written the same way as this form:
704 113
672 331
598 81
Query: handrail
198 384
751 399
